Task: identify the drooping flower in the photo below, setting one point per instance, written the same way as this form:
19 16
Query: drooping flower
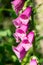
30 36
17 23
33 61
19 51
17 5
23 18
27 41
20 33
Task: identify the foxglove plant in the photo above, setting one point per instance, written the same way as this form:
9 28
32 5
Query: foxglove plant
24 37
21 35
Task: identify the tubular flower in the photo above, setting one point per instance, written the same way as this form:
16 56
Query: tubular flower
17 23
20 33
19 51
30 36
17 5
27 41
23 18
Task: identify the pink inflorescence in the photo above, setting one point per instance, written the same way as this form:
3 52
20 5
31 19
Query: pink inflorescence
24 46
21 24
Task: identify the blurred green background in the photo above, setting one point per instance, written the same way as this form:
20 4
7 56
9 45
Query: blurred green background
7 57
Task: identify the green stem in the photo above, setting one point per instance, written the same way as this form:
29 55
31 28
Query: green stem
33 27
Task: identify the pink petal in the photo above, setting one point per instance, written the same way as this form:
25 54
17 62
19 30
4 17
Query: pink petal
17 22
25 16
24 19
30 36
27 11
16 37
20 33
26 44
19 52
33 62
17 5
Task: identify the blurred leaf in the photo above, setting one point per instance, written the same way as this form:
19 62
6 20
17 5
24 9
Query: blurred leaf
1 63
41 60
5 33
14 58
39 38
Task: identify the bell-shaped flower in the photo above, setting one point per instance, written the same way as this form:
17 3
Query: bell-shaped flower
30 36
27 41
19 51
17 23
20 33
17 5
25 16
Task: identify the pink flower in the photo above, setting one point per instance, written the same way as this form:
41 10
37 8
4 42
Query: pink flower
17 5
30 36
25 16
17 22
33 62
27 41
19 51
20 33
